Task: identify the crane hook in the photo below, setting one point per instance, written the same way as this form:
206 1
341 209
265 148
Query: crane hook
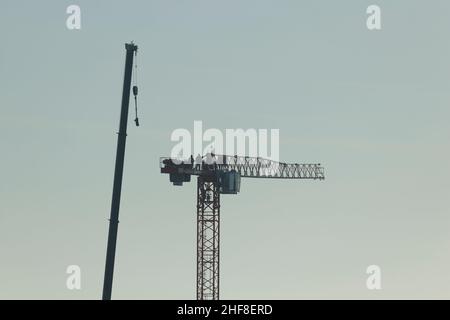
135 89
135 93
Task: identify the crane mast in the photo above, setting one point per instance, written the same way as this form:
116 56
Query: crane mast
208 230
221 175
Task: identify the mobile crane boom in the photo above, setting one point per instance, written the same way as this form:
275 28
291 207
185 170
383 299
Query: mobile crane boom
131 50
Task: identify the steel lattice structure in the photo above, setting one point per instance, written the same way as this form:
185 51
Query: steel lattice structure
208 227
254 167
248 167
218 174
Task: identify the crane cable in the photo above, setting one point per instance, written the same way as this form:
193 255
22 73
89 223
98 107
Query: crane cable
135 89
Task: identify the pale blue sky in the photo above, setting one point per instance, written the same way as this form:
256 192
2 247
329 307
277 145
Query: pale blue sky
371 106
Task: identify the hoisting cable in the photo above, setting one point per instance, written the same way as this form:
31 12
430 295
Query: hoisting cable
135 89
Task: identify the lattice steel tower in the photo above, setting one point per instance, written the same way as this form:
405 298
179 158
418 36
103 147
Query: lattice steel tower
208 224
216 175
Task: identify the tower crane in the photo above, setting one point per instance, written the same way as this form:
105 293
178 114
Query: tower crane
221 174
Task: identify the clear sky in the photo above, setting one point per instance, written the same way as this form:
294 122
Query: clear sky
371 106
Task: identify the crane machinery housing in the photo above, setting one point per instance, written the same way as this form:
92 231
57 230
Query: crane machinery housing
221 174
